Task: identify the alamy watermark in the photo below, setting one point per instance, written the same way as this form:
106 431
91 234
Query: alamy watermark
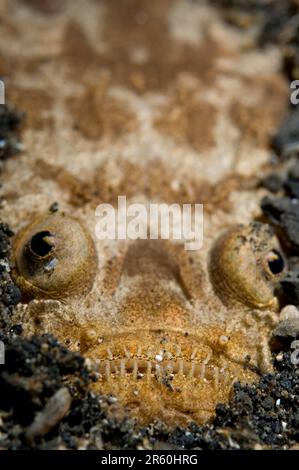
2 92
295 94
151 221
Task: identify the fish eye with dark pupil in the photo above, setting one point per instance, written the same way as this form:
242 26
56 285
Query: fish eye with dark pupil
41 244
42 252
275 262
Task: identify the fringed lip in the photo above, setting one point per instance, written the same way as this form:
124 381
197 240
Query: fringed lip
148 369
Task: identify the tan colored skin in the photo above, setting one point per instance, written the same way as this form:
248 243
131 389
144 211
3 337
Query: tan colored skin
55 258
167 353
240 267
160 112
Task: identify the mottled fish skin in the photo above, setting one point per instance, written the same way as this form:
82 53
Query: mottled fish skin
159 111
167 351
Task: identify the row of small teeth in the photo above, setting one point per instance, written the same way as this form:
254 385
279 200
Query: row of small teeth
144 368
158 357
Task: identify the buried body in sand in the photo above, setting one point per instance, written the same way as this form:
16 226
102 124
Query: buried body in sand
168 331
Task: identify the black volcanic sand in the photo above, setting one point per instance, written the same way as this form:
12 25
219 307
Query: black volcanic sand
44 402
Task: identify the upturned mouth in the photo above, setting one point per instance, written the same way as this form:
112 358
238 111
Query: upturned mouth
162 370
166 356
170 375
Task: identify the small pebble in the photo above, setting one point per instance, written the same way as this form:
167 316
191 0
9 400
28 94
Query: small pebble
111 400
287 329
279 358
289 311
54 207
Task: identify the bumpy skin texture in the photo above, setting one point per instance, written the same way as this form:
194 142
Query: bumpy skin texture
159 111
163 355
55 258
246 264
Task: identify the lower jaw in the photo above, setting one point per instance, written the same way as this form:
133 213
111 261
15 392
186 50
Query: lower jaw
174 392
168 375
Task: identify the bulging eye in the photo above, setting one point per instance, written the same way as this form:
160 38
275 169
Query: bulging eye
55 258
246 265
